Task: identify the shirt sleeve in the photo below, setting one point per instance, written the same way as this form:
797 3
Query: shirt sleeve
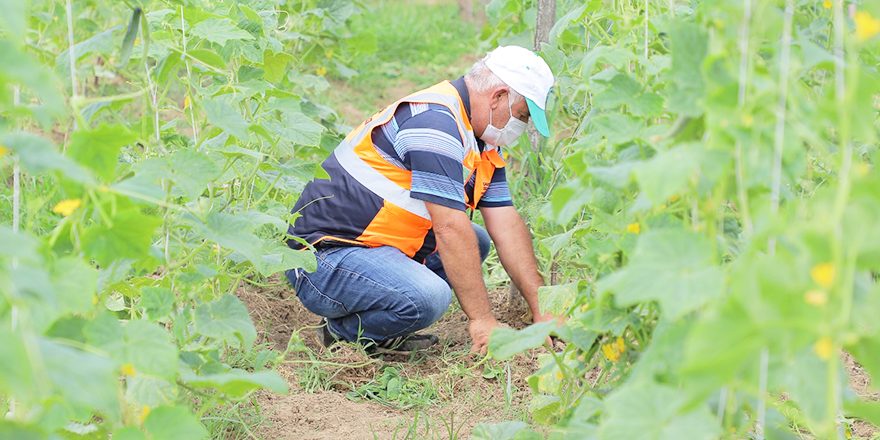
498 193
430 146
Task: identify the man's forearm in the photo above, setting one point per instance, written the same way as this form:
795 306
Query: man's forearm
514 245
459 253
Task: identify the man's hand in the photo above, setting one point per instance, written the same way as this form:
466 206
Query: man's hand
480 330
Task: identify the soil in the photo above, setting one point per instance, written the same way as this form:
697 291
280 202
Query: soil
463 397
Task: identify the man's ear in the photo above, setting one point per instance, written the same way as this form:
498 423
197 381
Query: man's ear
497 94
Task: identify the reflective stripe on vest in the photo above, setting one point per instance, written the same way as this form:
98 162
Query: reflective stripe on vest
358 156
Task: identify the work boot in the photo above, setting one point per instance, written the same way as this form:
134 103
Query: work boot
325 338
405 344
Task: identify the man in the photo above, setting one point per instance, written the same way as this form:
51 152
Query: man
390 226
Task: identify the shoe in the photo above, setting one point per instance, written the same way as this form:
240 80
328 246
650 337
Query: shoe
405 344
325 338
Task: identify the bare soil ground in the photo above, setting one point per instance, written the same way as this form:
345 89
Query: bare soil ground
319 407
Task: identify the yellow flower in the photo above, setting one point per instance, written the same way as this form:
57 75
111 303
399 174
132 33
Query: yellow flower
610 353
862 168
186 102
823 274
816 297
128 370
866 26
634 228
322 71
145 411
3 150
824 348
136 41
827 4
620 345
585 307
673 199
95 299
559 375
67 207
330 54
748 120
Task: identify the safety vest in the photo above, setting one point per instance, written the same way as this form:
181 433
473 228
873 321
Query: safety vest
401 221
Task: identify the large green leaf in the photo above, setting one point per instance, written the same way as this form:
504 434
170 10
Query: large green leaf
237 383
689 49
655 412
142 344
674 267
129 236
621 89
220 30
88 383
557 299
297 129
98 149
275 65
16 373
278 258
506 342
666 174
232 232
13 20
101 43
38 155
226 319
189 169
221 114
174 423
498 431
619 128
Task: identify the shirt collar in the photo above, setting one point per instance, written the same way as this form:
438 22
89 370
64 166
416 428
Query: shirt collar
462 89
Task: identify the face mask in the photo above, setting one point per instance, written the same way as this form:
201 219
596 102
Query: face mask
507 135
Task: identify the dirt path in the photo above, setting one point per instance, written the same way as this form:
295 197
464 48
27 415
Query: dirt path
443 395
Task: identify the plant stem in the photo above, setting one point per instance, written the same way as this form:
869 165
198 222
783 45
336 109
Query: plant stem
744 33
762 389
71 50
779 136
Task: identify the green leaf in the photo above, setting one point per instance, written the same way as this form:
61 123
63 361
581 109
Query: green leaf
297 129
619 128
237 383
98 149
278 258
76 282
19 67
88 383
674 267
129 433
869 412
275 65
220 30
16 373
17 431
144 345
498 431
866 352
150 391
13 18
38 155
620 90
208 57
130 236
224 116
157 302
189 169
689 49
174 423
232 232
506 342
101 43
226 319
556 300
647 105
666 174
655 412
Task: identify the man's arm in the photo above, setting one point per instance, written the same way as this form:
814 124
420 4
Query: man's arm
514 245
459 253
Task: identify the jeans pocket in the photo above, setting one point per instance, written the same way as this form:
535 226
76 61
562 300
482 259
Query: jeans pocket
316 301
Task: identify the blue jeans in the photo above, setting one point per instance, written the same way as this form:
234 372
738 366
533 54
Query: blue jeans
376 293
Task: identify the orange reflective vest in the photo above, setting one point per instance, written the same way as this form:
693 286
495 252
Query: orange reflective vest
367 200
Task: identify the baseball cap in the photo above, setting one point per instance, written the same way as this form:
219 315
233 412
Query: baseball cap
526 73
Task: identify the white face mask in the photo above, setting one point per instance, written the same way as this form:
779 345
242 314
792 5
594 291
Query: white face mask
507 135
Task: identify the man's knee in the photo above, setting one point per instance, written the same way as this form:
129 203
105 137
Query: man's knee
428 302
483 241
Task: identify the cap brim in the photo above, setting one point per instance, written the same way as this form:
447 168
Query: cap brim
539 118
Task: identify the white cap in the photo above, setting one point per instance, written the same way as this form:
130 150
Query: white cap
526 73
